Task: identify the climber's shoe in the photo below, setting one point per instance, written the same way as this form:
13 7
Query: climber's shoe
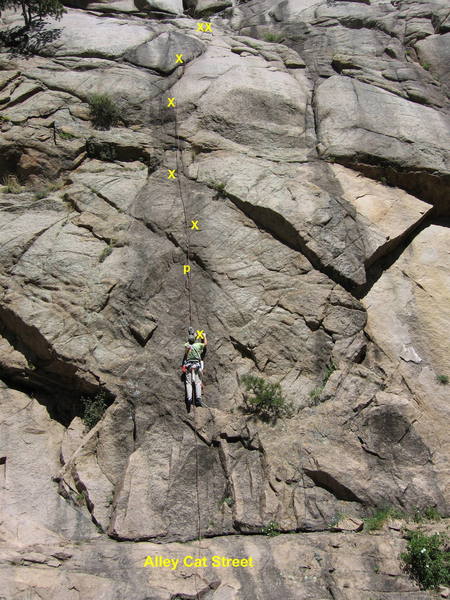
188 405
199 403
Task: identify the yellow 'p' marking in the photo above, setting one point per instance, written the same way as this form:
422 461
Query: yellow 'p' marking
179 59
171 102
171 174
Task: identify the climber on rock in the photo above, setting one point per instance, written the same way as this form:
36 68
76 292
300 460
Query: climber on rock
192 367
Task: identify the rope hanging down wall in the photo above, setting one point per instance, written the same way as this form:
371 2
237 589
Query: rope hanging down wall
179 164
172 105
175 174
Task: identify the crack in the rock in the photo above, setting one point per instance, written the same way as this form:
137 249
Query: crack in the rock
238 532
280 229
389 257
372 452
330 484
426 185
23 98
107 299
64 377
243 350
31 241
407 430
195 430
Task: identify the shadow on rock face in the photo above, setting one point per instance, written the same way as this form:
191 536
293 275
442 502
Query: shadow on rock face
26 42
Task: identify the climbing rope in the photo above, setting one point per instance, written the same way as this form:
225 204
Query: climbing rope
179 164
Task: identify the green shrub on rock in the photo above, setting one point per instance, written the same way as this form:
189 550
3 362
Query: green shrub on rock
106 252
94 408
427 559
104 111
271 529
267 400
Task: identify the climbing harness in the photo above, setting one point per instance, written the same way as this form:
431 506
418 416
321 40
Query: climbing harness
194 367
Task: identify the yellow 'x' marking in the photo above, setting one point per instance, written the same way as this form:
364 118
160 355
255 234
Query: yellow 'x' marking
204 27
171 102
171 174
200 333
179 58
194 225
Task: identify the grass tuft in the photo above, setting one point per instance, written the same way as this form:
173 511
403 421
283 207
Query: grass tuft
271 36
44 187
426 514
66 135
380 516
12 185
219 187
104 111
317 391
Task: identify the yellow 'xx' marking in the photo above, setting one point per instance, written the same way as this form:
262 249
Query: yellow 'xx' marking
204 27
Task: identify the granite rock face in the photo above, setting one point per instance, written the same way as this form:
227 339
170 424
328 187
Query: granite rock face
309 142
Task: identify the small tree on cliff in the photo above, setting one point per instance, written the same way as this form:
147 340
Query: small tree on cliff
32 9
